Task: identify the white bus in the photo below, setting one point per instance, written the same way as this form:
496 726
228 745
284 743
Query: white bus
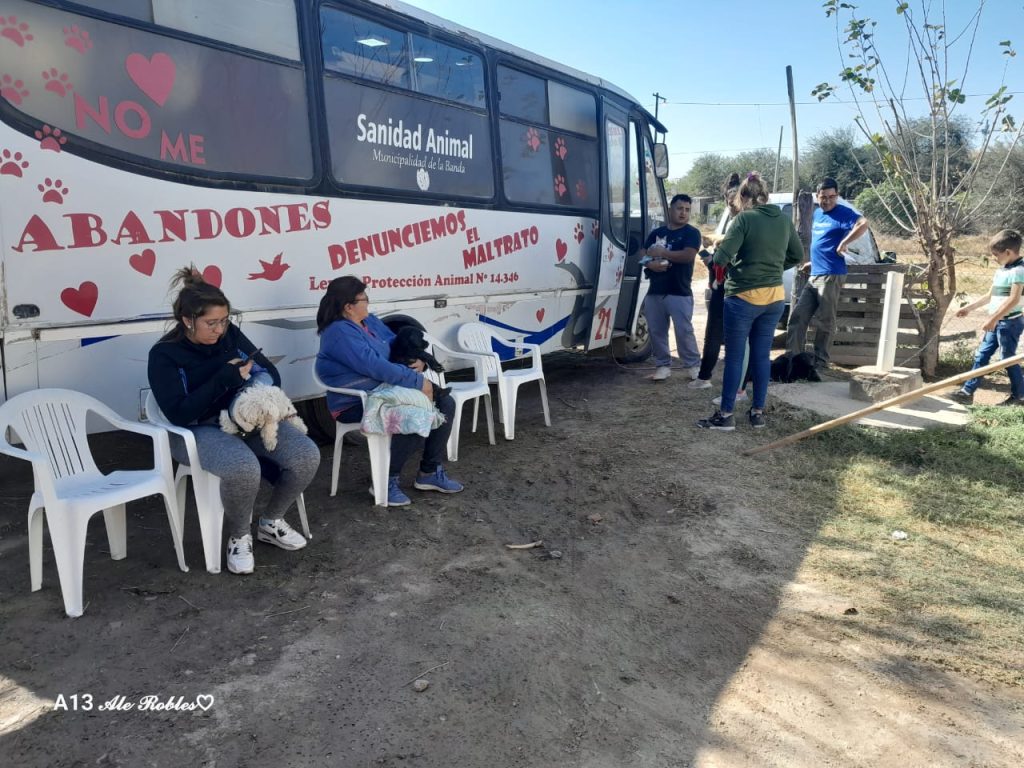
282 143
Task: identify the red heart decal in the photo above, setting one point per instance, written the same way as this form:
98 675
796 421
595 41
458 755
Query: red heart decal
540 315
81 299
561 248
143 262
212 275
155 76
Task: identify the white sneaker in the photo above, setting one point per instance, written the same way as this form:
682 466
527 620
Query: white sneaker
700 384
662 373
693 373
240 558
740 397
280 534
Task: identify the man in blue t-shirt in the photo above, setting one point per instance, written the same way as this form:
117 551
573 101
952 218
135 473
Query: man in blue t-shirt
668 260
833 228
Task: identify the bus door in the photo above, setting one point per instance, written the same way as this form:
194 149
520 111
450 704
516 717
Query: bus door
614 241
646 212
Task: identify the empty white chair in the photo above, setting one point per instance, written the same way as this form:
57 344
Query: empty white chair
463 391
205 487
478 337
378 445
70 489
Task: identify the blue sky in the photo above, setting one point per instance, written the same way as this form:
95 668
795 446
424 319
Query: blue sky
722 66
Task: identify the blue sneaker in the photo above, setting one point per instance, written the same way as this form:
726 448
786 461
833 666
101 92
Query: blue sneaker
396 496
437 481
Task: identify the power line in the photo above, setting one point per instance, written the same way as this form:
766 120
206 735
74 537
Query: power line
808 103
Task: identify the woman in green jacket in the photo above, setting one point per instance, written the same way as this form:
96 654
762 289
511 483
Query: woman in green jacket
760 245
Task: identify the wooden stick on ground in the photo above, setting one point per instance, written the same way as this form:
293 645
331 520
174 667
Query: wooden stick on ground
906 397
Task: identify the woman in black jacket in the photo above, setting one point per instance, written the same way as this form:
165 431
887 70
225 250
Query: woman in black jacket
195 370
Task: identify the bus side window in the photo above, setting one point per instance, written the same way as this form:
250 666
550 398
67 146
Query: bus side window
549 149
404 112
182 105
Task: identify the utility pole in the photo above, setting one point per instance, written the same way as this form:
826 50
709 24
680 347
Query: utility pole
658 98
778 159
796 146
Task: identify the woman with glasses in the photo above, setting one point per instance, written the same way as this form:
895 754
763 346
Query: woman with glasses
196 370
354 351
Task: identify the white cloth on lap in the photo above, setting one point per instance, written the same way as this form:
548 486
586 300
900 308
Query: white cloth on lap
392 410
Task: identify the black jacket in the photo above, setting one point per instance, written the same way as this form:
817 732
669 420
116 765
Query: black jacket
193 382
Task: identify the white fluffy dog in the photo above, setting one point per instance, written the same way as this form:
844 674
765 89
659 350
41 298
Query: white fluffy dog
260 407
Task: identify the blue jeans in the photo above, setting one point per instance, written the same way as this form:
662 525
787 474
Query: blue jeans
754 323
1004 338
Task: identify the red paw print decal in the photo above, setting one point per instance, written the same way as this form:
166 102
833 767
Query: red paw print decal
581 190
51 138
13 90
595 230
56 82
53 191
560 149
609 254
13 31
560 188
577 233
618 275
77 38
12 164
533 139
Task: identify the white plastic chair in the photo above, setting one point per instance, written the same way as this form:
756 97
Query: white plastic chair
70 489
463 391
205 487
378 445
477 337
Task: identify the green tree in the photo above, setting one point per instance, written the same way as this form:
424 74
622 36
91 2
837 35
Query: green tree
933 179
706 176
839 155
1005 206
763 161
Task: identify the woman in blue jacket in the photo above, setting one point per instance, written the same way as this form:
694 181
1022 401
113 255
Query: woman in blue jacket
354 351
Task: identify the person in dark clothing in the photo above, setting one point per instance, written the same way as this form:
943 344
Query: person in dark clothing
196 370
668 257
714 331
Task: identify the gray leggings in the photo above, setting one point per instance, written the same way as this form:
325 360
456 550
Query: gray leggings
237 463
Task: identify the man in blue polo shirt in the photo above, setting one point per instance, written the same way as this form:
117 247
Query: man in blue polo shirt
834 227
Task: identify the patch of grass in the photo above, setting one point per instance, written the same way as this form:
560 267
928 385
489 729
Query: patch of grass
952 593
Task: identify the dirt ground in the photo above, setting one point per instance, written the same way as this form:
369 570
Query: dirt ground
665 621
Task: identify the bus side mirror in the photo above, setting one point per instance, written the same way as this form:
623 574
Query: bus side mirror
661 160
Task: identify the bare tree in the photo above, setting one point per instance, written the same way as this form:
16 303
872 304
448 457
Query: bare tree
920 157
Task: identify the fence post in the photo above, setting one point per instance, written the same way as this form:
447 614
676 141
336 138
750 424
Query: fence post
890 321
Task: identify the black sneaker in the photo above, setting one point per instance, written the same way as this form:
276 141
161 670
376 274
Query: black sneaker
964 398
719 422
1011 400
757 419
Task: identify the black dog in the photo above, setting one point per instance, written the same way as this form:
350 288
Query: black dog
800 367
408 346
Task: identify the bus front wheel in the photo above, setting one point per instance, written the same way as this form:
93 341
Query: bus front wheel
635 348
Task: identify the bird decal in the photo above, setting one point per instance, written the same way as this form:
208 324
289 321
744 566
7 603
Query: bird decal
272 270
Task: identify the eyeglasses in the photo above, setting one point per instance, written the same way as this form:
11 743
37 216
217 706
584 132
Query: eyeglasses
357 301
215 324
